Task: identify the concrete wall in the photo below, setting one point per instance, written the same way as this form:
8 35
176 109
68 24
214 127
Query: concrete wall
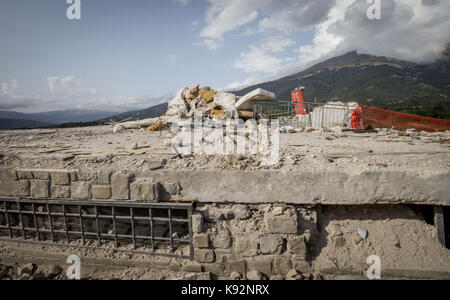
249 187
247 224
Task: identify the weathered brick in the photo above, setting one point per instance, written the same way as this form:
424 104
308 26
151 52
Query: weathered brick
301 265
281 224
271 244
145 191
24 174
204 276
246 245
81 190
281 265
222 255
7 177
60 191
40 189
239 266
262 265
222 240
86 176
101 191
60 178
297 245
201 241
21 188
104 177
204 255
215 269
120 187
41 175
172 188
197 222
193 268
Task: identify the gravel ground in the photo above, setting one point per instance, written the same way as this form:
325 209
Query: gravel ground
50 263
99 148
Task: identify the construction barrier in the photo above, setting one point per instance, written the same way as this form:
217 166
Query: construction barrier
365 116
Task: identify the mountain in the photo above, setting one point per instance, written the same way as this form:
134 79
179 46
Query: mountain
20 123
422 89
151 112
55 117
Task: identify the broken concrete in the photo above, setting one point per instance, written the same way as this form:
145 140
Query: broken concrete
247 102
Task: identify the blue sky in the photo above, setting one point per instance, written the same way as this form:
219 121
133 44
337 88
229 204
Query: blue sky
126 55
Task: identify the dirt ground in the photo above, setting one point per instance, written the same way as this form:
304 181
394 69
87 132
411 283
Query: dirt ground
99 148
35 262
405 243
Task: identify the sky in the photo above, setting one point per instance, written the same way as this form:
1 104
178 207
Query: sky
124 55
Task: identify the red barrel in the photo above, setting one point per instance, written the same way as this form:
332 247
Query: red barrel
356 118
298 99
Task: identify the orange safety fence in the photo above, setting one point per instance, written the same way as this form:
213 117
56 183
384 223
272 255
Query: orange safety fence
365 116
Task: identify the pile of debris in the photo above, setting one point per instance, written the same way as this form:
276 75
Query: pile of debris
204 102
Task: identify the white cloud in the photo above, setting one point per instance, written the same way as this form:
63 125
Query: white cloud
415 30
227 15
9 88
69 92
277 43
63 84
257 60
237 85
412 30
260 57
209 43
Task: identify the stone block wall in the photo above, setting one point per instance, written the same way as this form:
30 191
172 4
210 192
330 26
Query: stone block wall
253 241
78 185
240 240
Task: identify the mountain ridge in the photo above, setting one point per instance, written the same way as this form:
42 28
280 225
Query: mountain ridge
378 81
51 117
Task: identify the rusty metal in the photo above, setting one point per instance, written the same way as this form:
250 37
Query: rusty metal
28 229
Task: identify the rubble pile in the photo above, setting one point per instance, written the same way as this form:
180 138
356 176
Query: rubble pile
204 102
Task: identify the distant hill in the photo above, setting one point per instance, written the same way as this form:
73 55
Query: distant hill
373 80
58 117
20 124
151 112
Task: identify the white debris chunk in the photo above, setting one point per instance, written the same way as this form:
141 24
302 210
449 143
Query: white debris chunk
363 233
258 95
178 106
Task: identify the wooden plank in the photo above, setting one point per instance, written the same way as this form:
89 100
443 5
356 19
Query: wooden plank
182 200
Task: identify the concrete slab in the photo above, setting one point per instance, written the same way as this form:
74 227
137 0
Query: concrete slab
246 102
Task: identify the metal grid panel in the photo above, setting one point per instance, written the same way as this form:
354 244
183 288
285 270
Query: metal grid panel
316 115
53 222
